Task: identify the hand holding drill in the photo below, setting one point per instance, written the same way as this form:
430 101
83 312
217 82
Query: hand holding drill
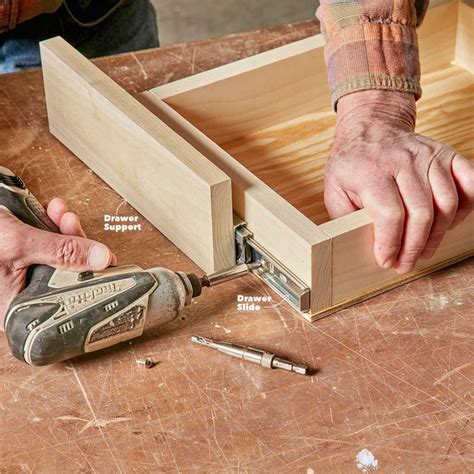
64 246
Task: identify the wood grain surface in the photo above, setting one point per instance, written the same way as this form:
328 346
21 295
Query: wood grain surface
290 157
394 374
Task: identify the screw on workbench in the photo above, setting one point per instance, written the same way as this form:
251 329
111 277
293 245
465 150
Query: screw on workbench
147 363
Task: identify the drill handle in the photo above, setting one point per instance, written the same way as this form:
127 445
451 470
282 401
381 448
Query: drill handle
18 200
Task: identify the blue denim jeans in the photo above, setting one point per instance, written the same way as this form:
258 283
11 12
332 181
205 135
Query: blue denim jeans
94 27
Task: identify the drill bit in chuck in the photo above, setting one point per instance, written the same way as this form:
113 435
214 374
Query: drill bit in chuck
256 356
237 271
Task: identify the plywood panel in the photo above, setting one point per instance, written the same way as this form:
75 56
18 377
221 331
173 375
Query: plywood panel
290 157
178 190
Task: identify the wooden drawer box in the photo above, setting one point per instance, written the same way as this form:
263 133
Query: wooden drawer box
252 138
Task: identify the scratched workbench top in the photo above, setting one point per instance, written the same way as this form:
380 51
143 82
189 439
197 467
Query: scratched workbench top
393 375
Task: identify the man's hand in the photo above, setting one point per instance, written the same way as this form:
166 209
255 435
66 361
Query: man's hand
413 187
22 245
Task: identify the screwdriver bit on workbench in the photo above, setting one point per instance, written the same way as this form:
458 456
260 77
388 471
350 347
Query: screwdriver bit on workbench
256 356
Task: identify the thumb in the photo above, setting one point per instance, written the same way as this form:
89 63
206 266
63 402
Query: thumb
65 252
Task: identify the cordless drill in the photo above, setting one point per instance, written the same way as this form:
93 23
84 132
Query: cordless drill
62 314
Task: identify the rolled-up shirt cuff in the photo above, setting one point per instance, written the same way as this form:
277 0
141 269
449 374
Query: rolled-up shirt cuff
373 56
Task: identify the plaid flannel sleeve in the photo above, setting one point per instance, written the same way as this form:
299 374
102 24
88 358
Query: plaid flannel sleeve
8 14
13 12
371 44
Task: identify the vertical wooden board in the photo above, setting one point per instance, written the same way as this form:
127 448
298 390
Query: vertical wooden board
437 36
464 54
253 93
354 269
177 189
321 277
